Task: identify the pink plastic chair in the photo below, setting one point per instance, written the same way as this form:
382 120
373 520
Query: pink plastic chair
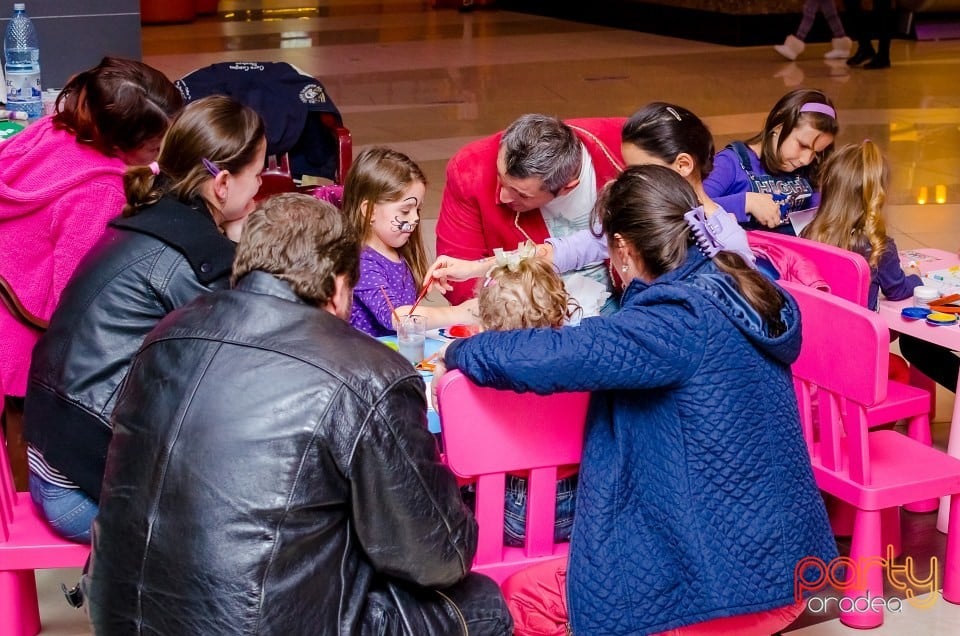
844 360
848 275
488 433
26 544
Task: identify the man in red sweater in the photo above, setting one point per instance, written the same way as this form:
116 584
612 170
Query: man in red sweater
537 179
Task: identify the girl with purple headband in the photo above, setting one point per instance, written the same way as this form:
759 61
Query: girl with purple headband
774 173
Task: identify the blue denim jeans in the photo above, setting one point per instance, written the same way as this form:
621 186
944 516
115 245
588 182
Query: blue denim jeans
68 511
515 510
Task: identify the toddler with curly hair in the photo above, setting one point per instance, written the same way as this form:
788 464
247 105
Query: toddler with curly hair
523 292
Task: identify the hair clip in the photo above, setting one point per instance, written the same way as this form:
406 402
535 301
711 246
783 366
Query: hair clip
511 260
702 233
489 282
210 166
717 233
817 107
673 111
154 167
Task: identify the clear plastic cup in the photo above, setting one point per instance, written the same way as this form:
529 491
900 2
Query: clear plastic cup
411 337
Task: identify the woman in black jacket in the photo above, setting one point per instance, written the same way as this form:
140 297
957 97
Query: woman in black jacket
174 241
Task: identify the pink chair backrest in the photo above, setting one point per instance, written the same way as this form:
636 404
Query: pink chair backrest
487 433
847 273
844 360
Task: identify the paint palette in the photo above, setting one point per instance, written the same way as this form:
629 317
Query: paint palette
914 313
459 331
939 319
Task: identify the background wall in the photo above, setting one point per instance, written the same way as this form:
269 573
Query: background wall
734 22
75 34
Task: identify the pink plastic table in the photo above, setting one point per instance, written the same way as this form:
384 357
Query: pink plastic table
948 337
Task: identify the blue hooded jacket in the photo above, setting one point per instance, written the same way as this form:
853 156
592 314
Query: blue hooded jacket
696 498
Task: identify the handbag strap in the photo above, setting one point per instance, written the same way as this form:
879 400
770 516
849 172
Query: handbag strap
23 315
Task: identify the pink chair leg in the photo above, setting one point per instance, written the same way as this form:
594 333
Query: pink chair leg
864 552
918 428
890 530
18 603
921 381
951 563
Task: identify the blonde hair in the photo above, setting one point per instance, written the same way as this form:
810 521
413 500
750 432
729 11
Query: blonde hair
853 192
301 240
524 295
380 175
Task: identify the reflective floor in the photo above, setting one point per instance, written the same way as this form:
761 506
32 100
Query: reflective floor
427 81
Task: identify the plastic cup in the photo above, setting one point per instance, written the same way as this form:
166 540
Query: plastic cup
411 336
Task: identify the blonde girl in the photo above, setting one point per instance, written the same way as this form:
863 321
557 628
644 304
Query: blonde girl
525 292
853 191
522 295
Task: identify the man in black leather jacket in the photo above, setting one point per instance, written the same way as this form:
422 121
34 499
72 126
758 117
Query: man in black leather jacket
271 471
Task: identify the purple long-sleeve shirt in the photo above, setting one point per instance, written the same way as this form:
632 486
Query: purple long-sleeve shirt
380 276
728 183
578 250
585 248
889 278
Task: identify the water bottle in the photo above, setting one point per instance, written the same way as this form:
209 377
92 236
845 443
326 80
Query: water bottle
21 54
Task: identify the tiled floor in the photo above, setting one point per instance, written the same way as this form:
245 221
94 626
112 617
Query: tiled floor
427 81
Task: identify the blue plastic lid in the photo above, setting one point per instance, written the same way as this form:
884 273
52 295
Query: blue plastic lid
914 313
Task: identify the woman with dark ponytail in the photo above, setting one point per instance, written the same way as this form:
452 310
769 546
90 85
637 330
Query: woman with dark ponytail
61 181
696 500
174 241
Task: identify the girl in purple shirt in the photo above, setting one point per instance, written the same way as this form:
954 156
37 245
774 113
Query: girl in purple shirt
774 173
383 194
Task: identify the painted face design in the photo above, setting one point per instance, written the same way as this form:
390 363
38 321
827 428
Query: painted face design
404 227
394 222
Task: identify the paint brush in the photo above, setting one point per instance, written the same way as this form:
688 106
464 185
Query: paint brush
393 310
423 293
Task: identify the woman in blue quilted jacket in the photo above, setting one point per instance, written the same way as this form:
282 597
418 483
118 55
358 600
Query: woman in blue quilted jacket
696 500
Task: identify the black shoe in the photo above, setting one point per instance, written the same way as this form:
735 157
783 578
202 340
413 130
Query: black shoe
74 595
878 62
863 54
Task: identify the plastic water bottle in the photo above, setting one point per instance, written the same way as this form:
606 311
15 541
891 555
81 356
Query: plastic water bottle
21 54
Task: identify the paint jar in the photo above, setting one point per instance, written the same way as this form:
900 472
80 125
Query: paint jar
924 294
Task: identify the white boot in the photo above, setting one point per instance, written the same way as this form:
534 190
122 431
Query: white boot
841 48
791 47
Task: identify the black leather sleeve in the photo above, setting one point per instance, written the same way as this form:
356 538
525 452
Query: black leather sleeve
408 513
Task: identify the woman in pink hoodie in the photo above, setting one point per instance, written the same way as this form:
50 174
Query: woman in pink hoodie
61 180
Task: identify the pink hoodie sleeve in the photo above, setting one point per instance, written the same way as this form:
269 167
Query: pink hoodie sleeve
78 221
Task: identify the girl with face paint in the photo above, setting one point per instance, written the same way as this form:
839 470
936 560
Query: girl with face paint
383 194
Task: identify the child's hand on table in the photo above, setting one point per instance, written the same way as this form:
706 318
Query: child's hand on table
439 368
